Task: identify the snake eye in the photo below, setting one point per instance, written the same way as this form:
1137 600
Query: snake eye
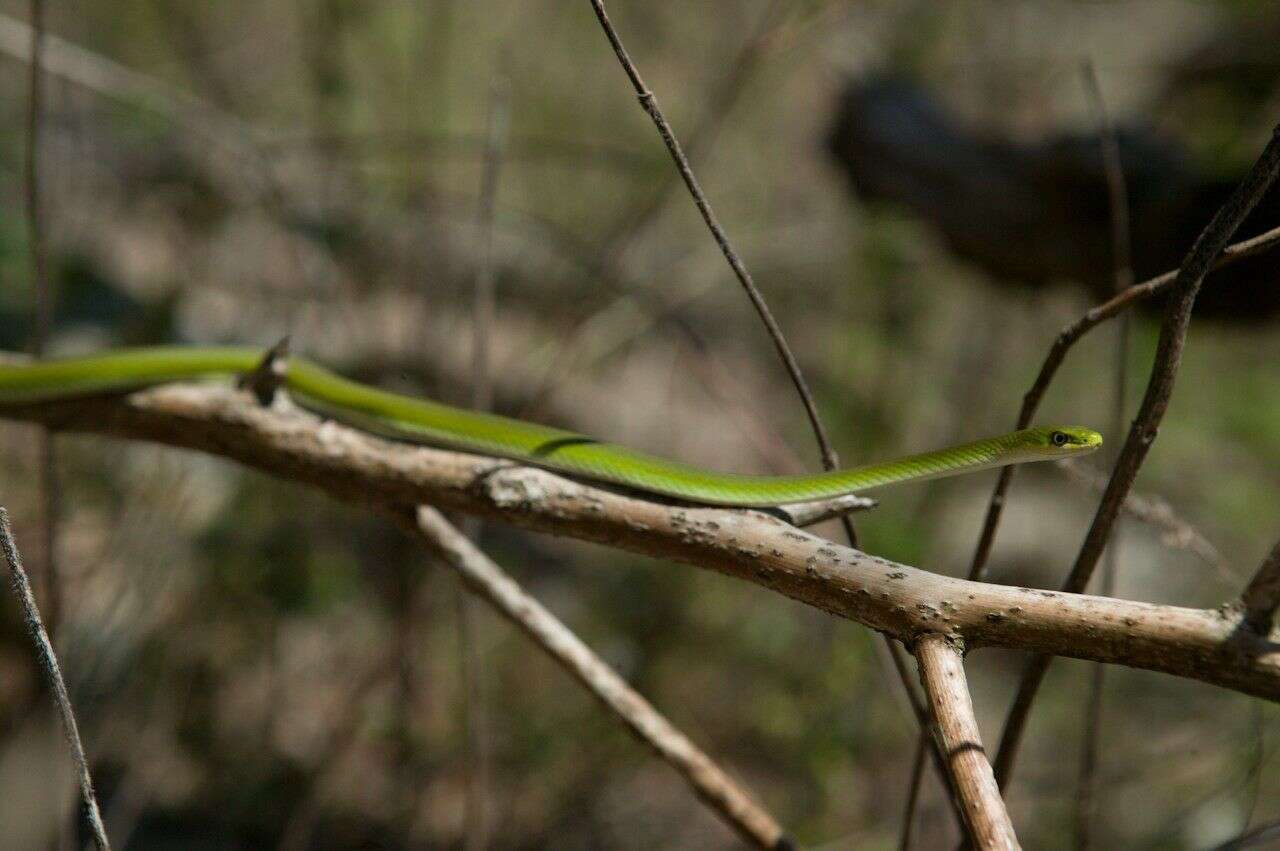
1059 438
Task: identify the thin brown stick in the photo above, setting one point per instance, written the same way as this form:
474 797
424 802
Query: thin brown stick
1176 532
483 315
830 460
41 314
1086 803
1068 337
810 513
913 795
1261 598
711 784
720 103
53 675
1164 371
956 729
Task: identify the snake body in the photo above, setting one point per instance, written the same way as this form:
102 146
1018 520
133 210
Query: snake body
424 421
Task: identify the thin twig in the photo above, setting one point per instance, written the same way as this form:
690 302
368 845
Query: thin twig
1176 531
711 784
483 313
830 460
1086 804
1155 401
1068 337
53 674
41 314
634 221
1261 597
956 729
914 786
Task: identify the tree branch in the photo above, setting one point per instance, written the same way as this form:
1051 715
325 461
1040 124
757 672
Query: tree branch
1261 597
1062 344
902 601
485 578
53 675
956 730
650 105
1164 371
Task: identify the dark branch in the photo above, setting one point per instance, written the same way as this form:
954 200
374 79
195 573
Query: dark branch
53 675
1262 596
1173 334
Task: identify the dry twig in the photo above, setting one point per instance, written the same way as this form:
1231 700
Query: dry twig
1062 344
830 459
483 310
1261 597
1176 532
650 105
53 675
711 784
1121 253
1173 334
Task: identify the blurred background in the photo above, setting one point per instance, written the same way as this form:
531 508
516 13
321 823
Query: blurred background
919 191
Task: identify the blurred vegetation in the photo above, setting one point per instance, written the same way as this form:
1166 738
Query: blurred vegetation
254 666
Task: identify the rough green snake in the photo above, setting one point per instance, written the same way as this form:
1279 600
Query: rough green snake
423 421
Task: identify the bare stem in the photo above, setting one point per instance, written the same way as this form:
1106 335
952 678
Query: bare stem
41 313
1164 371
1121 251
830 459
650 105
913 795
711 784
956 730
1262 596
483 316
53 675
1062 344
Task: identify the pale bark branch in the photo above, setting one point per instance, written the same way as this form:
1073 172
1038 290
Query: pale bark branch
956 730
901 601
730 801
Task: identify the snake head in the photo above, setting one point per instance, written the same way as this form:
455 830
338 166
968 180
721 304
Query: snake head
1058 441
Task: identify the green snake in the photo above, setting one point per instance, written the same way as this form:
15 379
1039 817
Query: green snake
422 421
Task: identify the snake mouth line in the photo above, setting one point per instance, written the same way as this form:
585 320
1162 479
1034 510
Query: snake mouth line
546 449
